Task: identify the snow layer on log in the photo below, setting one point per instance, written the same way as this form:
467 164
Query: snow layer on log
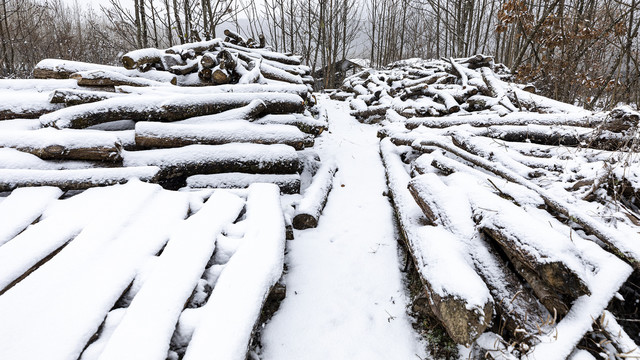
112 78
20 124
79 286
516 118
75 179
160 135
288 184
166 290
163 108
38 85
236 301
23 207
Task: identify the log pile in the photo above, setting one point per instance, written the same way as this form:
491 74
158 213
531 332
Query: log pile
535 203
228 107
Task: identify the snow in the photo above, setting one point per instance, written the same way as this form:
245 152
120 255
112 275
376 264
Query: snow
20 124
118 77
38 85
23 207
82 282
345 296
234 307
149 322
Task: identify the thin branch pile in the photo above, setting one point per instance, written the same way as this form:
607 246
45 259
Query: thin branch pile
521 214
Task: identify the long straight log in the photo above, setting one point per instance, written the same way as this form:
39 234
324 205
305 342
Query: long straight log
81 179
166 109
315 198
111 78
288 183
178 164
306 124
165 135
300 90
72 97
62 69
65 144
518 119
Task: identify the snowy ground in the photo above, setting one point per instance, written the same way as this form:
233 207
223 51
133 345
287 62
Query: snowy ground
345 296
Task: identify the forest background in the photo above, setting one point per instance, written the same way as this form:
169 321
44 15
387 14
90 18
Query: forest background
584 52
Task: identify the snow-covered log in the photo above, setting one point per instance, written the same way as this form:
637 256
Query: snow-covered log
248 112
65 144
112 78
232 312
62 69
71 97
79 179
306 124
288 183
168 135
300 90
159 108
517 118
180 163
315 197
136 58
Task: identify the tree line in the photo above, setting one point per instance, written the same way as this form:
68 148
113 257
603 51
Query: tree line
578 51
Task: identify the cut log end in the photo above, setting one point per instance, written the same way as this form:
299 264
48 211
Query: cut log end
304 221
462 324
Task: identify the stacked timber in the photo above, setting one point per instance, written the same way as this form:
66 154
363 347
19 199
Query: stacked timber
520 214
229 108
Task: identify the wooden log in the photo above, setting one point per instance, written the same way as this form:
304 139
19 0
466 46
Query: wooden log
220 76
189 67
315 198
65 144
81 179
518 118
249 112
306 124
136 58
208 60
168 135
62 69
464 317
496 89
269 55
166 108
446 98
457 69
110 78
178 164
239 40
300 90
205 74
375 110
253 75
72 97
288 183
